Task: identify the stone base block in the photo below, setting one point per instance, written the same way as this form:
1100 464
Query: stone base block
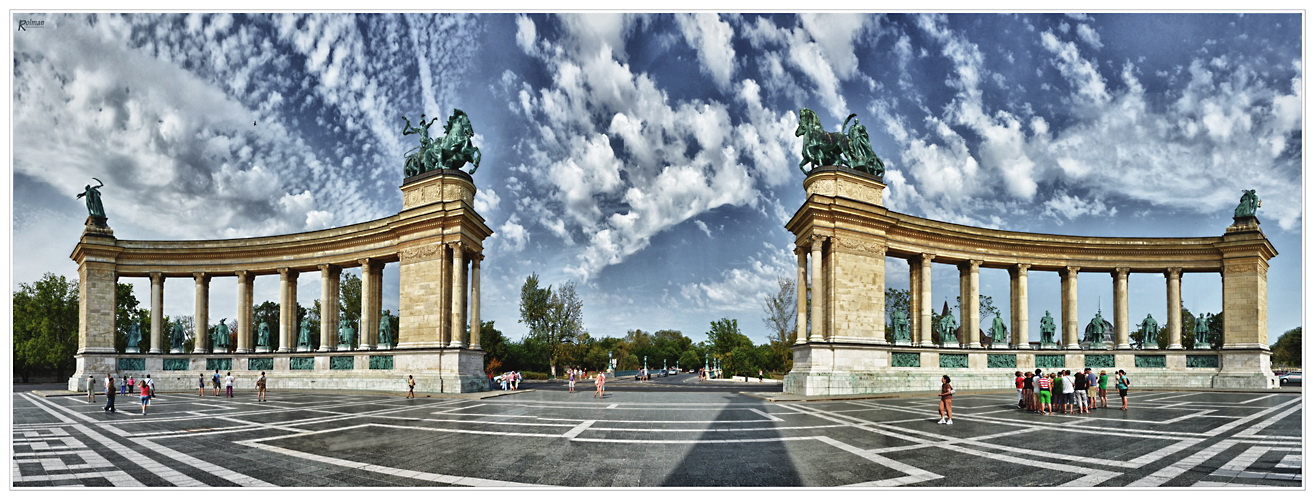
344 347
176 350
437 370
133 350
261 349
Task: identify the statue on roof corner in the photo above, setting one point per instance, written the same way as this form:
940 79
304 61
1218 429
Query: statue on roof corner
451 151
94 207
1247 206
851 147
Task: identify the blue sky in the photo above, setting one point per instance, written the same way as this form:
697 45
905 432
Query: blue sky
651 158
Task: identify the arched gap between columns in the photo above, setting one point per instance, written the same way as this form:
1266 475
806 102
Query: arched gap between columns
994 283
1146 295
265 307
897 279
141 290
308 291
1043 294
392 295
223 305
1095 291
1202 293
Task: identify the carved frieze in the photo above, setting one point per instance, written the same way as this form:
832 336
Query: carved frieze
856 245
419 252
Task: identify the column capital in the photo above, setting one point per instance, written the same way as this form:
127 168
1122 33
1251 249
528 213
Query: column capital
1022 267
818 239
1173 272
970 265
288 273
157 276
243 274
201 278
1072 269
329 268
1121 272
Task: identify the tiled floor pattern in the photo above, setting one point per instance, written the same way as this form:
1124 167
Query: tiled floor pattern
1170 439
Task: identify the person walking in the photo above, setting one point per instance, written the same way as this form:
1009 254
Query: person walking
260 388
1043 394
150 383
109 392
1121 383
598 385
146 395
570 380
947 399
410 387
200 384
91 388
228 384
1104 394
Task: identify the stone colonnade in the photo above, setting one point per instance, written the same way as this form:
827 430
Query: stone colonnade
843 235
437 231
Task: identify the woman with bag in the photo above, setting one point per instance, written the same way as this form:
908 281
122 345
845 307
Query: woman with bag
947 396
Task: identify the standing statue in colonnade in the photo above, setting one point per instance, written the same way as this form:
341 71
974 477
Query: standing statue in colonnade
1047 330
221 337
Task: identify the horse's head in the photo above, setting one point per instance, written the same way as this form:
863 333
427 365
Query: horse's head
808 121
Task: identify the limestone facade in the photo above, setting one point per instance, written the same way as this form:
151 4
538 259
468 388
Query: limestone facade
843 234
435 239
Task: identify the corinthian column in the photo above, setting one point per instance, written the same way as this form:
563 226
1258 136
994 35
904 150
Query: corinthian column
801 297
817 332
201 319
970 313
924 313
1069 299
474 299
157 313
1018 304
1175 322
1121 308
458 295
288 326
329 277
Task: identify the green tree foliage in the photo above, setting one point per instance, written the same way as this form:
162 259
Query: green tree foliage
555 319
45 326
126 311
781 311
494 344
1287 351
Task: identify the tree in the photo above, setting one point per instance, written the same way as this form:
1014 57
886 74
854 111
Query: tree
555 319
1287 351
781 319
494 345
45 325
725 336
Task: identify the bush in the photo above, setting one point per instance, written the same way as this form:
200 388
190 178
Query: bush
528 375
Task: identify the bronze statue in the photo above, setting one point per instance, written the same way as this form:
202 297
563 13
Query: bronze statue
1095 332
94 207
998 332
1202 331
303 337
385 331
900 324
1047 329
1247 206
345 332
262 335
134 336
452 151
177 338
851 147
221 335
949 329
1149 327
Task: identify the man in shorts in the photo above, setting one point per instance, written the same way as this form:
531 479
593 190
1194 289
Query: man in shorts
1080 392
1092 396
215 381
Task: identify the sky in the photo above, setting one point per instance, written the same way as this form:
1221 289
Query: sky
650 158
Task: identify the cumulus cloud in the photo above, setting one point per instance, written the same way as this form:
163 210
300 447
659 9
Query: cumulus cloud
711 39
742 288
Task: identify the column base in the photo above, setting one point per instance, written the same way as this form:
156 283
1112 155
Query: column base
155 350
456 344
324 348
385 347
302 348
262 350
176 350
132 350
200 350
284 349
344 347
1175 347
1123 346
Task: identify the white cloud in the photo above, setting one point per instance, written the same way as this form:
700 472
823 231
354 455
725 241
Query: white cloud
1089 35
711 39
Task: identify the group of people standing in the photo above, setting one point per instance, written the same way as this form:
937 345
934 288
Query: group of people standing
146 386
1043 393
509 380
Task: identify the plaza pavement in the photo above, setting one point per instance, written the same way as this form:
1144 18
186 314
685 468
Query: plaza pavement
673 431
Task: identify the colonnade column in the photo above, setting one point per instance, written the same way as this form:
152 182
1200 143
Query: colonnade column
458 295
915 300
201 318
157 312
1175 321
370 303
1018 305
329 275
817 330
969 312
244 281
1121 308
924 314
475 259
801 297
287 309
1069 308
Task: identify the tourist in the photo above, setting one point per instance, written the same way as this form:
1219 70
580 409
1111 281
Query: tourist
150 383
132 383
1080 392
228 384
947 396
123 386
760 375
1018 386
109 392
1121 383
516 380
260 388
1043 385
570 380
1092 397
1029 397
200 383
598 385
1104 381
91 388
410 387
215 380
1066 379
146 395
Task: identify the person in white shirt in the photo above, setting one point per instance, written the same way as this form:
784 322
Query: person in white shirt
228 385
1067 381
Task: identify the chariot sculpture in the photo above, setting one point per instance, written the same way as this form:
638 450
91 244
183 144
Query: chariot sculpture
451 151
851 147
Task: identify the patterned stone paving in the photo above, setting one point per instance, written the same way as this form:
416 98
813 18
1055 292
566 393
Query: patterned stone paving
659 435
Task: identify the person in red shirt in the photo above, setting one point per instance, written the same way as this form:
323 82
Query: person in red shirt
146 395
1018 385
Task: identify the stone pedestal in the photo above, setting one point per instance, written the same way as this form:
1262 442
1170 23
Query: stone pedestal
132 350
344 347
262 349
